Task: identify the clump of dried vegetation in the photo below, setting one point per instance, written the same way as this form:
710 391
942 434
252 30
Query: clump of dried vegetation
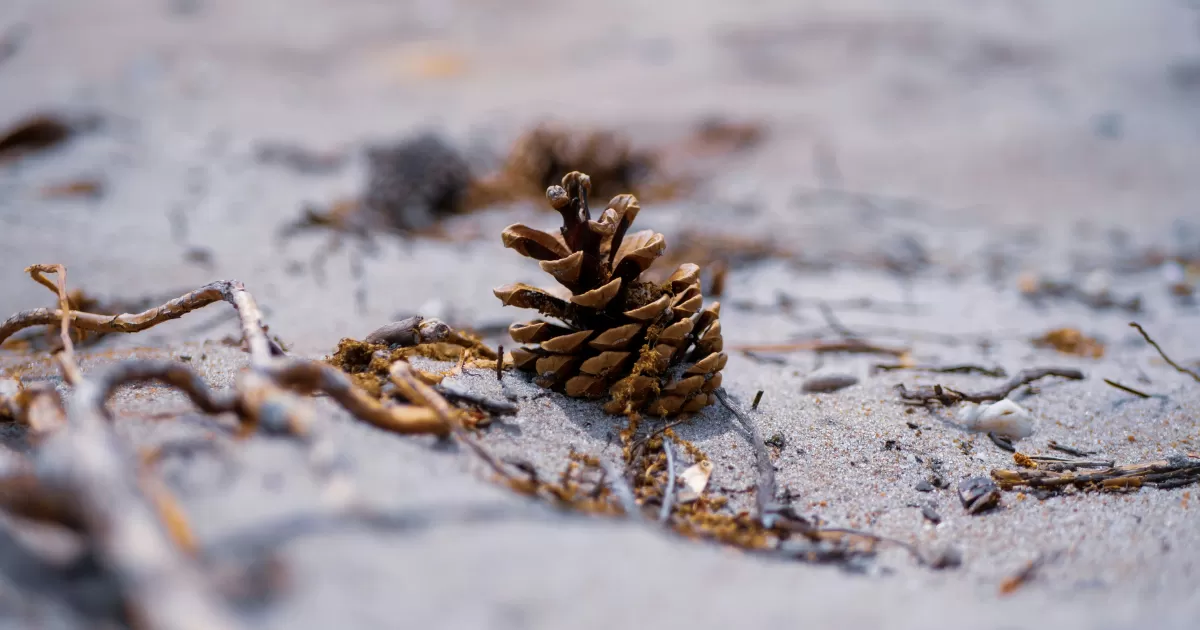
414 183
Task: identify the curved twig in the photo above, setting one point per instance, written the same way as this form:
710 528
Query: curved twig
1178 368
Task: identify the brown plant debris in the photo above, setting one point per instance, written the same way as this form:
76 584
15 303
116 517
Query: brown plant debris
1174 472
1071 341
35 133
1023 460
944 395
643 345
1178 368
1037 289
415 182
91 188
646 491
541 157
1027 573
371 366
410 185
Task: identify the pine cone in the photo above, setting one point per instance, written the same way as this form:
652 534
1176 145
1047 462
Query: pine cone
647 346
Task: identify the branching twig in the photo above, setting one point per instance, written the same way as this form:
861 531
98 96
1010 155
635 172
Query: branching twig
947 396
231 291
70 368
1178 368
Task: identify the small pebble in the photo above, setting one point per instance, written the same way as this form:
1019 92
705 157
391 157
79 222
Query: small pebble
978 494
945 558
931 514
924 486
825 382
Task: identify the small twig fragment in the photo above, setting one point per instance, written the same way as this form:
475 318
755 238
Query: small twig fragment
1178 368
822 346
1069 450
764 493
664 514
1126 388
996 372
1027 573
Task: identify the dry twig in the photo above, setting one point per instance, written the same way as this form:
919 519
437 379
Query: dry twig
996 372
1126 388
664 513
946 396
822 346
1178 368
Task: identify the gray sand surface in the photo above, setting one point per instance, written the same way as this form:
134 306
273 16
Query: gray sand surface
998 137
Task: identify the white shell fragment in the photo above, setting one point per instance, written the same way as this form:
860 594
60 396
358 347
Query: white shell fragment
1003 417
695 479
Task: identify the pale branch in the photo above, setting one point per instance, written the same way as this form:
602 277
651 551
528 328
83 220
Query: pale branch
94 466
231 291
664 514
820 346
946 396
66 362
764 493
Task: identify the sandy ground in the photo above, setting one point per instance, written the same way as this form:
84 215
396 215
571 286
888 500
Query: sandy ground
998 137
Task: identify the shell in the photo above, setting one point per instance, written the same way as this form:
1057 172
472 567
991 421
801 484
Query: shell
1003 417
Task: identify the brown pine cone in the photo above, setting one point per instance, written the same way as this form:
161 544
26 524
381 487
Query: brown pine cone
648 347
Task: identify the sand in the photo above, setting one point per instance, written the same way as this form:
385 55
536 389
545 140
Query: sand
998 137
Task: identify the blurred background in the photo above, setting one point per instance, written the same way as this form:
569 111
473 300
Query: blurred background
195 118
